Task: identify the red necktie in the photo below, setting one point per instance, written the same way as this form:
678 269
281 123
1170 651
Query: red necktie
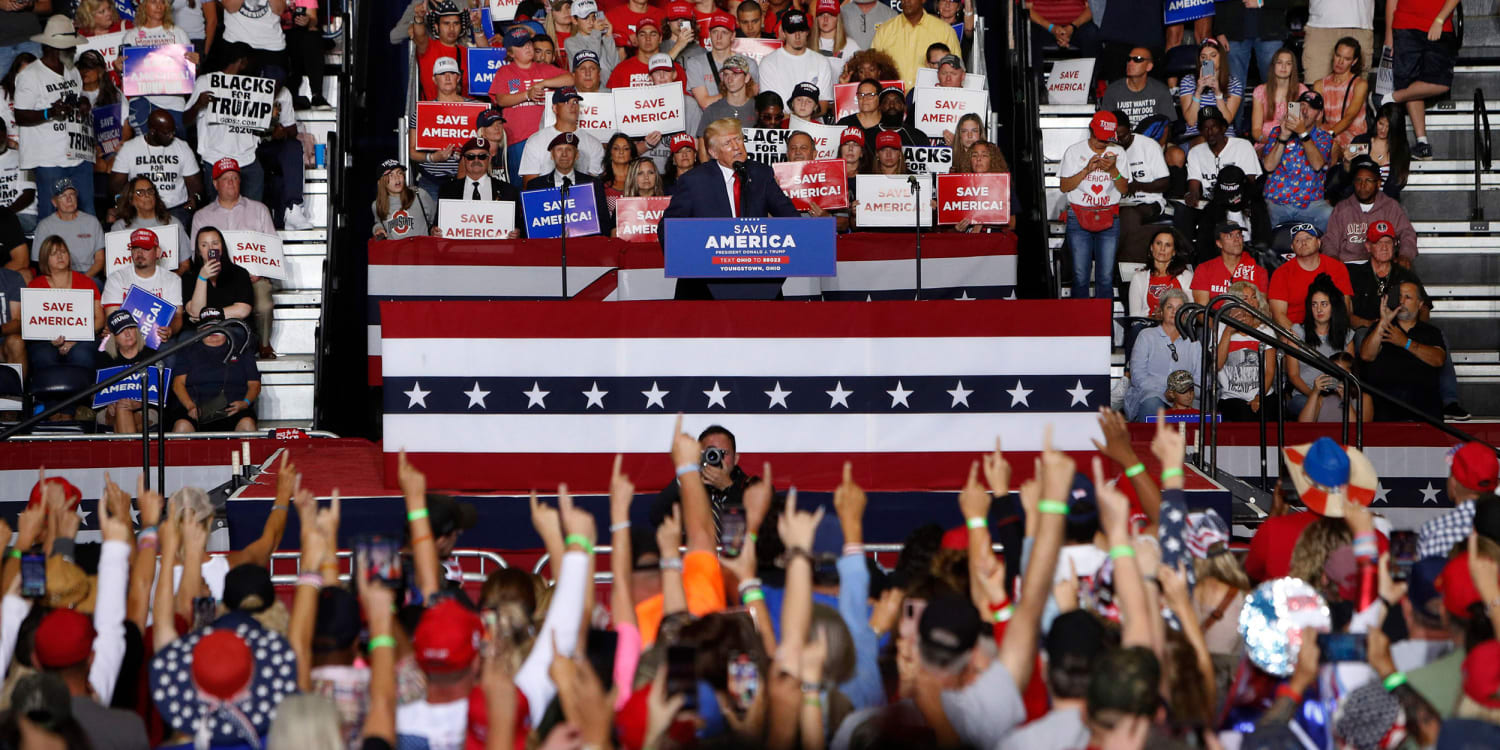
736 193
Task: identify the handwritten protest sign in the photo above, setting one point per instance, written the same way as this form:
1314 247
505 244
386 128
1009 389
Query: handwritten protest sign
886 200
260 254
938 108
766 145
640 110
809 183
151 313
49 313
980 198
163 70
755 49
545 209
927 159
440 124
107 45
476 220
117 248
130 388
846 96
241 102
482 64
596 115
636 219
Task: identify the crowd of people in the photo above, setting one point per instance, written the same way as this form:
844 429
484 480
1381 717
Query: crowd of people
1199 181
1114 617
556 52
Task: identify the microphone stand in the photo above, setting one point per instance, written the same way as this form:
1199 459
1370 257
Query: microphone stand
563 214
916 199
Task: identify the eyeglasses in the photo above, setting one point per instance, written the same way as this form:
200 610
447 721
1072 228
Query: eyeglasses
1139 58
476 157
866 95
1173 349
143 192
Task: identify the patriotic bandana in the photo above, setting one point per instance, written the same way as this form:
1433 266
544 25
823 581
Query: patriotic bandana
1204 530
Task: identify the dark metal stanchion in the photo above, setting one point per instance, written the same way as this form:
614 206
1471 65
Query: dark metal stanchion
916 199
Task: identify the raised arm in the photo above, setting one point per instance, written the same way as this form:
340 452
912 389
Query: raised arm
380 606
1130 589
1018 651
319 545
423 548
164 627
864 689
259 551
621 493
668 536
1117 448
697 518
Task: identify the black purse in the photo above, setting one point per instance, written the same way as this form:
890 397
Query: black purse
213 409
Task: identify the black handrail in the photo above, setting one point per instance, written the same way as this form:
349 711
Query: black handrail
224 326
1481 151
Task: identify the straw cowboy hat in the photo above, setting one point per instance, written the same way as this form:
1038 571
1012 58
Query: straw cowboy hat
59 34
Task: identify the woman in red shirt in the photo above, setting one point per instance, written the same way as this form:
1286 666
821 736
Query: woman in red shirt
58 273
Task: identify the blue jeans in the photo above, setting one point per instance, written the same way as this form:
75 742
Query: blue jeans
1448 381
42 355
1097 248
83 179
1148 408
1316 213
8 54
1239 66
252 181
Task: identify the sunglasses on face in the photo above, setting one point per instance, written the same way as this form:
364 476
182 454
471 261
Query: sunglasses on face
476 157
1173 349
1139 58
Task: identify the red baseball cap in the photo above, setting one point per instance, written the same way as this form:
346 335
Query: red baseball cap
1475 465
73 494
144 238
64 638
678 9
645 21
852 134
1482 674
1378 230
447 638
1104 126
681 140
887 139
1459 592
721 21
225 164
828 6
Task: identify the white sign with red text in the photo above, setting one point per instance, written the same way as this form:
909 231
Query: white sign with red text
938 108
808 183
886 200
596 115
49 313
259 254
825 137
755 49
107 45
981 198
117 248
1068 83
503 10
476 220
636 219
640 110
929 77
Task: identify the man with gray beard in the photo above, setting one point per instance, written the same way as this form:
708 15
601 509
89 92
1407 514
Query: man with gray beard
1405 357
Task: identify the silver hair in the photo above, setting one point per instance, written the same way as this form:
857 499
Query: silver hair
306 722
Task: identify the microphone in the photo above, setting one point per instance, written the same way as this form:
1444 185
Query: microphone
915 185
567 183
739 166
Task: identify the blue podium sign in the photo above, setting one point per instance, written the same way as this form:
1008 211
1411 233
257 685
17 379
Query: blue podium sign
1182 11
129 388
750 248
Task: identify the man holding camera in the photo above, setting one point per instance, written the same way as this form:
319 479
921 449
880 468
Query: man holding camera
718 466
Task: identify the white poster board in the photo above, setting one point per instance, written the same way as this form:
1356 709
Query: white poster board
825 137
596 115
503 10
928 77
641 110
938 108
49 313
107 45
117 247
259 254
1069 81
476 220
241 102
885 200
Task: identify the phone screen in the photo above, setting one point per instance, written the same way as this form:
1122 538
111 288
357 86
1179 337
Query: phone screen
682 675
732 531
1337 647
33 576
744 681
204 611
382 555
601 650
1403 553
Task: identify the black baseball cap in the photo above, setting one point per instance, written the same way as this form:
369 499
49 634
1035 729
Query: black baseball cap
43 698
447 515
948 630
1076 634
246 581
120 320
210 315
1312 99
1225 227
1364 162
1211 113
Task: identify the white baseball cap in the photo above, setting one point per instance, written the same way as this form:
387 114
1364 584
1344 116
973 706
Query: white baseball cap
445 65
584 8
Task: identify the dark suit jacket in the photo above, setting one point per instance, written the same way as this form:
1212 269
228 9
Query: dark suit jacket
455 189
548 181
700 194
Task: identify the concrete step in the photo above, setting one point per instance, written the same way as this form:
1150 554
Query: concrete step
1481 30
1467 330
1448 268
1449 204
1480 397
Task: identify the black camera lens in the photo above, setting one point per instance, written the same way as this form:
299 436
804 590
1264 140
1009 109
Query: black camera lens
713 457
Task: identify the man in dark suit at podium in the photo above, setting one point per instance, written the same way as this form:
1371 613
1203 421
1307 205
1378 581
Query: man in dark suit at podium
731 185
564 151
475 183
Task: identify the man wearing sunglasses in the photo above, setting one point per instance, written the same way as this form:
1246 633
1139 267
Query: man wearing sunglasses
474 181
1138 94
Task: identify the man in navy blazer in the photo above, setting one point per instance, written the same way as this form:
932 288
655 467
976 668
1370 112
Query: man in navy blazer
730 185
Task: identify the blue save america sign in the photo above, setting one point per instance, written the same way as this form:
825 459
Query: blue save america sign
750 248
544 210
1180 11
129 388
151 313
482 64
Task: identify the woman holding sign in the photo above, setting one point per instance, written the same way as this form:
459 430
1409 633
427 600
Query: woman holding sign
57 273
154 27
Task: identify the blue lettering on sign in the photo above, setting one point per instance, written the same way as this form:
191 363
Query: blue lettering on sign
750 248
1181 11
129 388
544 211
483 62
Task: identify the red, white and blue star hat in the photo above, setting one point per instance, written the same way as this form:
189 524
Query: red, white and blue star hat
222 685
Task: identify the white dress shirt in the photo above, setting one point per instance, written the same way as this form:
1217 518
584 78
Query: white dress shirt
728 173
486 191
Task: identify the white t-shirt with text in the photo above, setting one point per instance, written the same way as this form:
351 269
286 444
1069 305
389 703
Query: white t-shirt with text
163 283
257 25
165 165
1144 163
218 141
14 181
1203 165
1098 189
47 144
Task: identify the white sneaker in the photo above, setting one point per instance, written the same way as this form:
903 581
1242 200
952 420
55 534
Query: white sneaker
297 218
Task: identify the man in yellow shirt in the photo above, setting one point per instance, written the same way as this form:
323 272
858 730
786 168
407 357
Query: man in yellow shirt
906 38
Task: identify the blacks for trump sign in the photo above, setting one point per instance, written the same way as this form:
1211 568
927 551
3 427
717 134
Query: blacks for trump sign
241 102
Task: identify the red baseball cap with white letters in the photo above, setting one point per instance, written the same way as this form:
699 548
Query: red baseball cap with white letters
854 134
144 239
887 139
1379 230
681 140
225 164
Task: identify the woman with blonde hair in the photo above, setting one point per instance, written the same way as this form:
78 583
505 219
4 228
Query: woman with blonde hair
1221 581
968 131
828 25
559 26
306 722
400 210
95 17
1270 99
642 180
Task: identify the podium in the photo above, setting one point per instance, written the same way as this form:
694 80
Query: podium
746 259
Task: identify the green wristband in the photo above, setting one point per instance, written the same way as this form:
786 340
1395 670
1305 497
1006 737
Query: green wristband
1056 507
752 536
416 515
978 522
382 641
16 553
752 596
580 540
1135 471
1121 550
1171 473
1394 681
